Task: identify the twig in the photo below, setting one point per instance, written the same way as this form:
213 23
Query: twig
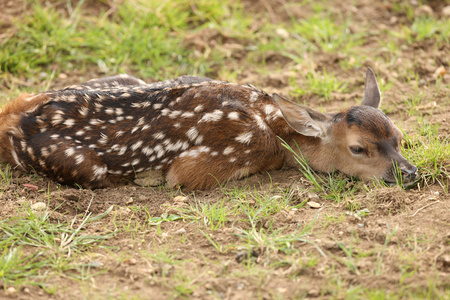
425 207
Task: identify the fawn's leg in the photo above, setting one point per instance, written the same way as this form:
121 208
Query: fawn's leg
66 160
199 169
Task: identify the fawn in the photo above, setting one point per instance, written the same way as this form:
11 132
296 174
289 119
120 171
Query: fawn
199 132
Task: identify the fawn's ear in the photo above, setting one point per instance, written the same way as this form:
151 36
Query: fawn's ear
302 119
372 94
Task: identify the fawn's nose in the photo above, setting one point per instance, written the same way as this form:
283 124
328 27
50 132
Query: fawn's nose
409 172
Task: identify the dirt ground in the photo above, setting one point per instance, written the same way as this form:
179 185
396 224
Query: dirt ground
417 254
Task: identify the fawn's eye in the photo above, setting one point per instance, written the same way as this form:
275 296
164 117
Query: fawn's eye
356 150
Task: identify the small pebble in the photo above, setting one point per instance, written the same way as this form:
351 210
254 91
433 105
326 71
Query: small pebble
313 204
180 199
130 261
423 10
96 264
10 291
26 290
440 72
39 206
313 293
180 231
446 11
282 33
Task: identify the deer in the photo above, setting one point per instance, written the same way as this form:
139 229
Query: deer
198 132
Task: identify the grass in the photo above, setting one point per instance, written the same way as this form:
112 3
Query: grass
244 239
430 152
322 85
58 246
321 33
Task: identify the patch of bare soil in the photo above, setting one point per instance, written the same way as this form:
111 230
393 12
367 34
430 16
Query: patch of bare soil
403 242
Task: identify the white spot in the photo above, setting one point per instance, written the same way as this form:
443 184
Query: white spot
57 119
191 153
126 165
44 152
136 145
16 158
95 122
187 114
233 115
141 121
214 153
147 151
145 127
157 105
69 152
232 160
245 137
119 111
165 111
228 150
204 149
192 133
177 125
269 109
198 108
122 150
135 162
119 133
129 117
126 95
99 171
79 159
212 117
174 147
159 151
109 111
247 151
69 122
103 139
260 122
185 146
159 135
84 111
253 96
199 140
134 129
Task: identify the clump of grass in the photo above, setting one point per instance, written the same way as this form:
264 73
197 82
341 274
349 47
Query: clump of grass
52 245
322 85
322 33
424 28
331 186
430 152
5 176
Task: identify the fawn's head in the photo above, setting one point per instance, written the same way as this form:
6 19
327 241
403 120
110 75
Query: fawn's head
359 141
